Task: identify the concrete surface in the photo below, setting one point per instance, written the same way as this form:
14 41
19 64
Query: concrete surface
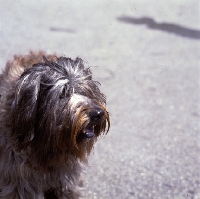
148 57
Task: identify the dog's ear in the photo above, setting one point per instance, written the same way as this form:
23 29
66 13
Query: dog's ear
24 108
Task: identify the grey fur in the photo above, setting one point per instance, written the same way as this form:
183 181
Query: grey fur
51 114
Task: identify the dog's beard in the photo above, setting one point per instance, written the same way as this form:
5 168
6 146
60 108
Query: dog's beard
88 124
73 136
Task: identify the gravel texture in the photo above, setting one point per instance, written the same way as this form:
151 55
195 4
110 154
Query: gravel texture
147 53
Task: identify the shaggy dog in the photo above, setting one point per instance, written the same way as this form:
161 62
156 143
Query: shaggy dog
51 113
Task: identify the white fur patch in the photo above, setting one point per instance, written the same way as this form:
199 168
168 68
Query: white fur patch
61 82
78 98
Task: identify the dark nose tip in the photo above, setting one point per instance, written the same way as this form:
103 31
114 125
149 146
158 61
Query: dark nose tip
96 114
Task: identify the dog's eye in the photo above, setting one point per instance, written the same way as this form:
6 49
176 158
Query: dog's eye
63 93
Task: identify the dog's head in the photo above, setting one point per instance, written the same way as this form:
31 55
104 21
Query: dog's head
58 111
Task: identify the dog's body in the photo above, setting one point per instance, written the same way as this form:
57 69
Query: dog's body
51 113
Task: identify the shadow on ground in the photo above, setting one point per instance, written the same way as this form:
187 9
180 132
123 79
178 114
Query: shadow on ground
166 27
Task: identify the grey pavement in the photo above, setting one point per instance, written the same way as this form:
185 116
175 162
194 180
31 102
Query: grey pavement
147 53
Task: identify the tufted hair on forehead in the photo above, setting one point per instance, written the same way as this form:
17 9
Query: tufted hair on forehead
64 74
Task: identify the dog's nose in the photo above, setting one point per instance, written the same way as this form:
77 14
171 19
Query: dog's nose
96 114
